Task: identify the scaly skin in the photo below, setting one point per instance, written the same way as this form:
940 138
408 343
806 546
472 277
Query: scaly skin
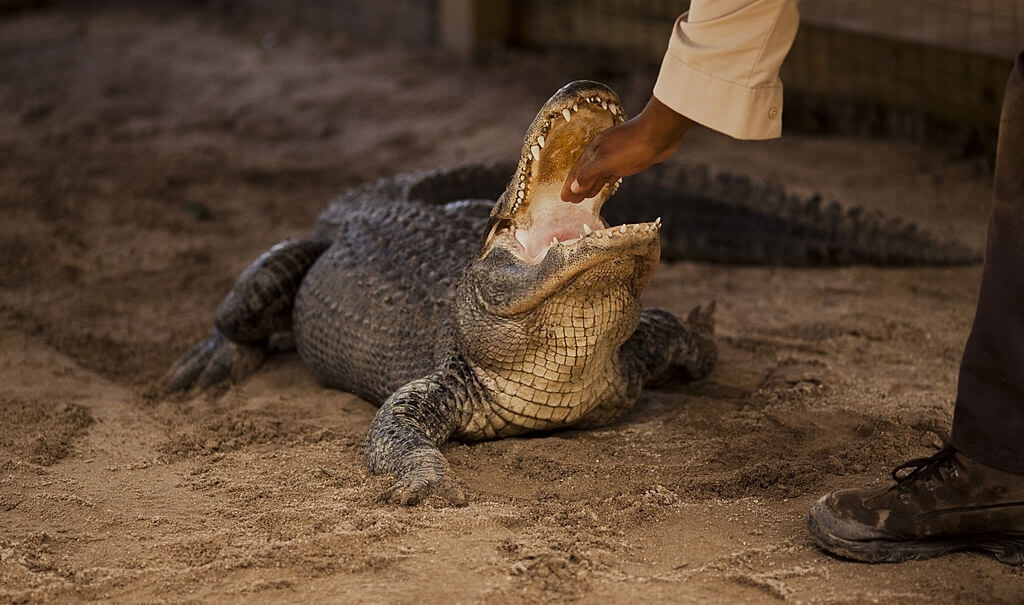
487 341
395 298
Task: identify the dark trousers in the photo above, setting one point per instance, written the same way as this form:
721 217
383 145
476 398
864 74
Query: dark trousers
988 424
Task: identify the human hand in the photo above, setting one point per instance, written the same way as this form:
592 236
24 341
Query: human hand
626 149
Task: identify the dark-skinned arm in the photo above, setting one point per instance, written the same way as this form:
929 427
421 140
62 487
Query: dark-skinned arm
627 149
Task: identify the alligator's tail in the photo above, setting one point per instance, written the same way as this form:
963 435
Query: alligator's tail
469 182
731 219
712 218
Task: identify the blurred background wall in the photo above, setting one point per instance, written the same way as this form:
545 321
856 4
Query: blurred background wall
929 70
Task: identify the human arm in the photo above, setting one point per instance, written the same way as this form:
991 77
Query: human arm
720 70
627 149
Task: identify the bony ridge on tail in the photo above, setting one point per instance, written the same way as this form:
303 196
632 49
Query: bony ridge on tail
393 297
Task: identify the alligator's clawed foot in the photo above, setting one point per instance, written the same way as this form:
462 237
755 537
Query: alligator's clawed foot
413 490
211 361
701 354
703 318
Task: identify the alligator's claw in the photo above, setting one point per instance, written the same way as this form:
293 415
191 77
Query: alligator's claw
412 491
701 354
212 360
703 318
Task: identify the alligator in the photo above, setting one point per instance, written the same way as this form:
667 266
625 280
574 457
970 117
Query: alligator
466 319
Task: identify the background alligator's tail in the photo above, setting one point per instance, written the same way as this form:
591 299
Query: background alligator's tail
712 218
469 182
731 219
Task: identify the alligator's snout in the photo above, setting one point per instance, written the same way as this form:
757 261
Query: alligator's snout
530 218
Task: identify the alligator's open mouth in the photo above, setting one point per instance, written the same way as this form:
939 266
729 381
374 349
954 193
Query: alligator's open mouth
530 218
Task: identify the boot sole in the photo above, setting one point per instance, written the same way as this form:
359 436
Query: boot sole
1007 548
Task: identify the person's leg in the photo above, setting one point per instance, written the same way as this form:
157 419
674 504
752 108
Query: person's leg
971 494
988 424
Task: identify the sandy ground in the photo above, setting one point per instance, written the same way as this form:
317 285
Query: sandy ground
146 159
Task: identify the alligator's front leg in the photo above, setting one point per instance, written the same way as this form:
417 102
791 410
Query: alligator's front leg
663 348
404 438
258 306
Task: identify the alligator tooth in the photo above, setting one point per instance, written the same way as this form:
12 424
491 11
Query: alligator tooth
535 152
540 141
554 241
622 229
657 221
566 115
586 229
575 107
604 104
598 234
613 108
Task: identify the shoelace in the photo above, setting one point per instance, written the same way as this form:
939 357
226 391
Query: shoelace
924 468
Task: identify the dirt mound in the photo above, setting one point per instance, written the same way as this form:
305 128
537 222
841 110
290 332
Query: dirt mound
33 432
236 430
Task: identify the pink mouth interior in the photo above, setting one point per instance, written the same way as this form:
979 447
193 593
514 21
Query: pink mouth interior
550 217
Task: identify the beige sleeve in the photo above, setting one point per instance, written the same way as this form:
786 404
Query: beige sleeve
722 65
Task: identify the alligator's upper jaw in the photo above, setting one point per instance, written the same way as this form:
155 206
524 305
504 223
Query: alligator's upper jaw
530 216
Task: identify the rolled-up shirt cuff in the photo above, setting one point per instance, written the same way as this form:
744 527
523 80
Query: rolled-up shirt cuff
739 111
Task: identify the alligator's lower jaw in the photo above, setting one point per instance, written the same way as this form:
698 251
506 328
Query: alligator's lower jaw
573 238
590 267
548 222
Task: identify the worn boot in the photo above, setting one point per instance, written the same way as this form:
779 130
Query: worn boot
937 505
